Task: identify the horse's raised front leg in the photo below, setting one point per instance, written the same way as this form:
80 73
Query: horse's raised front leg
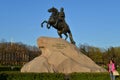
43 23
48 25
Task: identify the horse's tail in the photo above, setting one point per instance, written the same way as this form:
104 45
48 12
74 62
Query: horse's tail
70 36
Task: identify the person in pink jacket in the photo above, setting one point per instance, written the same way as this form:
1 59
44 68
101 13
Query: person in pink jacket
111 68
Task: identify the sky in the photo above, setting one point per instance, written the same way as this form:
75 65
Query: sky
92 22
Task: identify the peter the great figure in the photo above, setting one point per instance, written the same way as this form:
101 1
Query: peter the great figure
57 21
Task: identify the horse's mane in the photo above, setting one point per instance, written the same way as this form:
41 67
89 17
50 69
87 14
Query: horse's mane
55 9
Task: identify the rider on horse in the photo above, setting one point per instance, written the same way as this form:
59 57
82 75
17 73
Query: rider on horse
61 17
57 21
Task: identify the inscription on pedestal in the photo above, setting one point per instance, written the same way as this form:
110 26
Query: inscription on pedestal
59 46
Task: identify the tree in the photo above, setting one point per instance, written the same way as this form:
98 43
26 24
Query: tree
16 53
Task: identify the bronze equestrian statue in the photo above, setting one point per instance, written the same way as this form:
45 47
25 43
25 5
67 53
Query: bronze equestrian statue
57 21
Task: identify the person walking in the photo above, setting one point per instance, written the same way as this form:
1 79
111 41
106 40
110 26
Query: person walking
111 68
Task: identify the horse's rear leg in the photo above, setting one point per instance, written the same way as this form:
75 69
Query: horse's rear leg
66 36
59 33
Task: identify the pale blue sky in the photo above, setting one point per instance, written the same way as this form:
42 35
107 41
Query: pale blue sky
93 22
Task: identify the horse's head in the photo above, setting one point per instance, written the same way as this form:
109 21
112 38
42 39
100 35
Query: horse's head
53 10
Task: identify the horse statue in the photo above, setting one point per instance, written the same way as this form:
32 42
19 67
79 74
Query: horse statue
61 27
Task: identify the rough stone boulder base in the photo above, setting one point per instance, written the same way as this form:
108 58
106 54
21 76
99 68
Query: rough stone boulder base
60 56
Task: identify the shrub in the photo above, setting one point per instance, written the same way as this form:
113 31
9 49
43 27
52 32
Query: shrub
90 76
10 68
31 76
15 75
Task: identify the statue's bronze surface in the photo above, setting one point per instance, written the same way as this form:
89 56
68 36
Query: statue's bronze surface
57 20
